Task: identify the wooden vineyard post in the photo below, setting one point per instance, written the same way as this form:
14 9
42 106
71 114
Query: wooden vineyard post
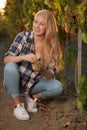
79 52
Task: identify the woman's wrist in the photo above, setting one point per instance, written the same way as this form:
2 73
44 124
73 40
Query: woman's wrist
21 58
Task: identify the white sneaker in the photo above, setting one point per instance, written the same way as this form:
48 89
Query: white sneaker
20 112
31 105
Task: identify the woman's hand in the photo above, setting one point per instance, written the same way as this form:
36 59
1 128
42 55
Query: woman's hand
30 57
47 74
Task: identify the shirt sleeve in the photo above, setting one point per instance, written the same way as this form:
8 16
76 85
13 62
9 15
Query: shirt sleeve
16 46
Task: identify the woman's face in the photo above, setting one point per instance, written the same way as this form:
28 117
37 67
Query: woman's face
39 26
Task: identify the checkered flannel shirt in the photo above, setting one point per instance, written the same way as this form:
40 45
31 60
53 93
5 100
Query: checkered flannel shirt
24 44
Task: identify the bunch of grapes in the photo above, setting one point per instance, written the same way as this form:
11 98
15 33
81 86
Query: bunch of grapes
37 65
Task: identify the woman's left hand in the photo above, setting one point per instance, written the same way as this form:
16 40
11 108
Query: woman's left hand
47 74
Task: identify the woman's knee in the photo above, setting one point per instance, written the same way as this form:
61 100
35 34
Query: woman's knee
11 77
11 68
58 87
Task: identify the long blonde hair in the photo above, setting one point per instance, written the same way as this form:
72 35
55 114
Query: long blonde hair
51 49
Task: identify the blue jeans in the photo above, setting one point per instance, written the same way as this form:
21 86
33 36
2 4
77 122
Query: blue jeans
45 87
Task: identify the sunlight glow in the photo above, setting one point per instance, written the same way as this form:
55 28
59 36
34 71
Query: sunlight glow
2 4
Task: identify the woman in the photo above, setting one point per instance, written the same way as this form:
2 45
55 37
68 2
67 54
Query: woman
31 62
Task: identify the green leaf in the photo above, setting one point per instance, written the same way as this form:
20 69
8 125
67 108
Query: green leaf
81 81
82 97
70 2
48 3
80 106
84 37
62 2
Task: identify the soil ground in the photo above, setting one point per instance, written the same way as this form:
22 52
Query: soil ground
60 113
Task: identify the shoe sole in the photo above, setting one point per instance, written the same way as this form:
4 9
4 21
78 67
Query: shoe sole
21 119
32 111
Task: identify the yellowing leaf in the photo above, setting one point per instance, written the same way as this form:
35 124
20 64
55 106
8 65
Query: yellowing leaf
47 2
57 5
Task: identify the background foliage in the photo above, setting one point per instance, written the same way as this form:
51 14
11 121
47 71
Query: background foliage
70 15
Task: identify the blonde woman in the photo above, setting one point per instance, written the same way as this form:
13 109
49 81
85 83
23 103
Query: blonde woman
31 62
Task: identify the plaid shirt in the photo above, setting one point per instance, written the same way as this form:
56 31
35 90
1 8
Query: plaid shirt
24 44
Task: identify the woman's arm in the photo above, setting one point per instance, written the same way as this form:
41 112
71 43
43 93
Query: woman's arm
15 59
29 57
